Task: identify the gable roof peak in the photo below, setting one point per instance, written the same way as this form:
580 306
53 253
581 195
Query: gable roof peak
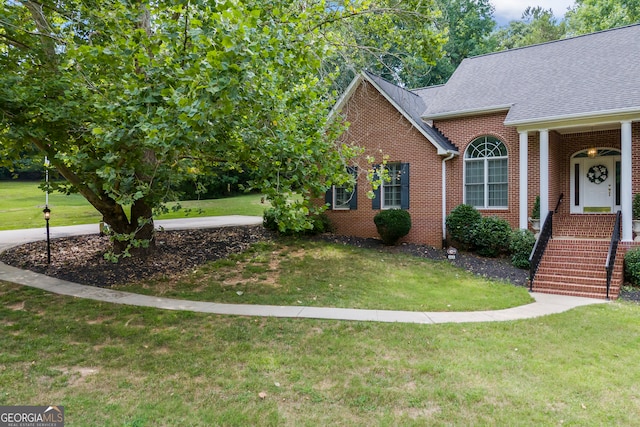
408 103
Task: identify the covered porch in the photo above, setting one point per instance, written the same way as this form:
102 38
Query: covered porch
584 176
590 165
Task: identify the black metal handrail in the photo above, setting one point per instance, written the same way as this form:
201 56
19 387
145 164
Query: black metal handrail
558 203
538 249
613 249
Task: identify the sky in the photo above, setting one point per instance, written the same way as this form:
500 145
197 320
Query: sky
509 10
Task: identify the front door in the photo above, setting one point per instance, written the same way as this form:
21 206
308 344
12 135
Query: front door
595 182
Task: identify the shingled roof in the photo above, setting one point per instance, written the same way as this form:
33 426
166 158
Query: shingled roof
590 76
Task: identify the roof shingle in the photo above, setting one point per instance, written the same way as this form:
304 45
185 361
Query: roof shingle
586 76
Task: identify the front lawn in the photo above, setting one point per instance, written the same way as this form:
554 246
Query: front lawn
113 365
308 273
21 204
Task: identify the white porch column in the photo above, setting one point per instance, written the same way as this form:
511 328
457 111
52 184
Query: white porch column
544 175
524 179
625 184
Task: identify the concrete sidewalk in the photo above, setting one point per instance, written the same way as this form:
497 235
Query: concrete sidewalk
545 304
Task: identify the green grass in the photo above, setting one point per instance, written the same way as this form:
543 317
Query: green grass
114 365
299 272
21 204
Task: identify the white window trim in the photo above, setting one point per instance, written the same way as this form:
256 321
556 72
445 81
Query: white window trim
383 203
334 204
486 178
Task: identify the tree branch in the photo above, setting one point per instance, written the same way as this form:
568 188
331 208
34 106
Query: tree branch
15 42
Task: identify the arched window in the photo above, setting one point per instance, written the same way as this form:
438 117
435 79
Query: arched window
486 178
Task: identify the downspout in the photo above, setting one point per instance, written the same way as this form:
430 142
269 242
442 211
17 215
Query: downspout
444 197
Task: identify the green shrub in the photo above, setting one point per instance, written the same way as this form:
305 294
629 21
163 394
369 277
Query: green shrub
635 207
461 222
520 247
492 236
632 266
269 220
535 212
392 224
320 224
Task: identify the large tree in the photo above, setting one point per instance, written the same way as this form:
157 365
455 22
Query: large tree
466 26
127 98
537 25
588 16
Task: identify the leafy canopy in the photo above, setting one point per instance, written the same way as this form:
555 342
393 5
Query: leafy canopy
129 98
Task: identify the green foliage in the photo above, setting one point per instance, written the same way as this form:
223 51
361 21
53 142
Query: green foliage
635 207
318 223
213 184
535 212
322 224
632 266
469 23
461 222
520 247
378 41
492 236
146 95
538 25
269 220
589 16
392 224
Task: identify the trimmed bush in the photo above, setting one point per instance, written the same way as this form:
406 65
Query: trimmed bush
392 224
632 266
520 247
492 236
461 222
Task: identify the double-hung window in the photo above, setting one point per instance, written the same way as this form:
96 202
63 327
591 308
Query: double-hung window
394 193
343 197
486 182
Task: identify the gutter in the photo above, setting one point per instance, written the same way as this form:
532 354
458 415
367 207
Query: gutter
444 196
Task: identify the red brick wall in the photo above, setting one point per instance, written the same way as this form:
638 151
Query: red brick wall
462 132
377 126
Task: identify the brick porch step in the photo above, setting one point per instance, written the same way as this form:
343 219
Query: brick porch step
576 267
591 226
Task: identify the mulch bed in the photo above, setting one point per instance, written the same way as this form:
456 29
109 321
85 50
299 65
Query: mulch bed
81 259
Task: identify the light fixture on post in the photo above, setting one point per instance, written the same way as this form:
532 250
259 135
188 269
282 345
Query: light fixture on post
47 216
592 152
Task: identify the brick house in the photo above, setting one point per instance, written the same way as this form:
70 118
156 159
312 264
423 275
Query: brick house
560 120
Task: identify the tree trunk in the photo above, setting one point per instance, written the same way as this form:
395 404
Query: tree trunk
140 227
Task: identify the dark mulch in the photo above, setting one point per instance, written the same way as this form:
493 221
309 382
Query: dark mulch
80 259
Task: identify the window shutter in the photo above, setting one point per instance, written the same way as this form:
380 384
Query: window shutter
404 185
375 202
353 203
328 197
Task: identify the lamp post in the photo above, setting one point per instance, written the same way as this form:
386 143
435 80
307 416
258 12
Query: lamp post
47 216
